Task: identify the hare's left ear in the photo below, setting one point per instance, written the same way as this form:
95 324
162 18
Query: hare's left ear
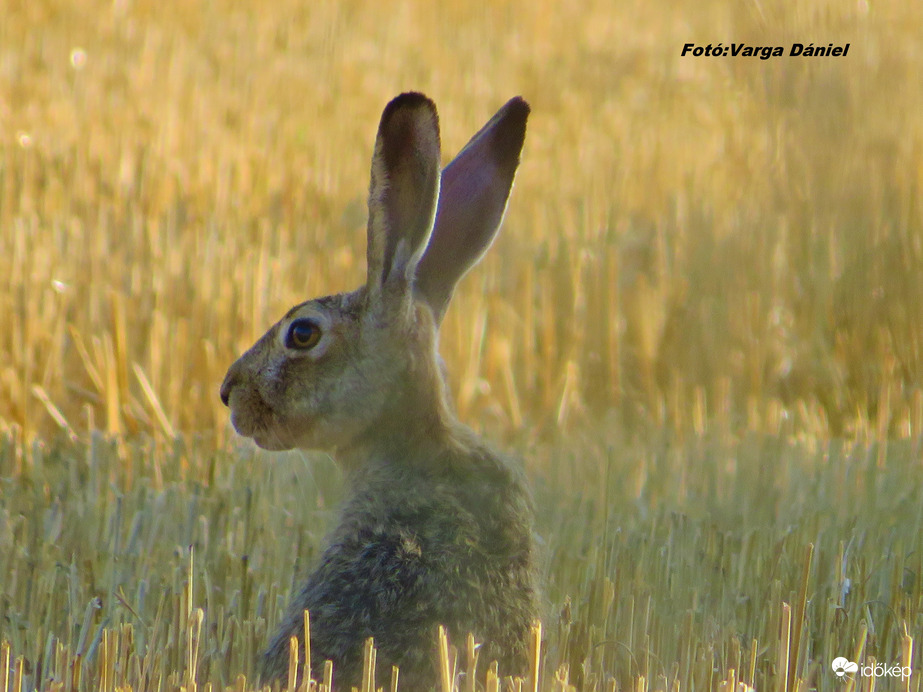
403 191
472 201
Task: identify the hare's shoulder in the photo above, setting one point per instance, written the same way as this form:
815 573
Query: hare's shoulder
461 503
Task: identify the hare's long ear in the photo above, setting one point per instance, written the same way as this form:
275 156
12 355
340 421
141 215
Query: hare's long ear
472 201
403 191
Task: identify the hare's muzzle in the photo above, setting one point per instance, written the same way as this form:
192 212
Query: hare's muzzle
249 413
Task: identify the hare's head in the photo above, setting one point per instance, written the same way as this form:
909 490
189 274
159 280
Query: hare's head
344 369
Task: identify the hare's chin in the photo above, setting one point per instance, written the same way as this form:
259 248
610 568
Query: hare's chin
270 442
265 439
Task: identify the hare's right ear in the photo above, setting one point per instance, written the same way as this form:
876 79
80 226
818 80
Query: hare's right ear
403 192
472 201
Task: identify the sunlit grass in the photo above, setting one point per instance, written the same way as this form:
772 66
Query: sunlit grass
673 562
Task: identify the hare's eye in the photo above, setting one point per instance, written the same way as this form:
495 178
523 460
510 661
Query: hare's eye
303 334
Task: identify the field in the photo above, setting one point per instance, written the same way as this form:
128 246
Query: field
700 326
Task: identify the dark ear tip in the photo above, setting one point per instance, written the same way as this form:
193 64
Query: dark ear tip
517 108
409 122
508 129
410 100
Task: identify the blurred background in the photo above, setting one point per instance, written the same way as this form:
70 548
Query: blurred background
691 242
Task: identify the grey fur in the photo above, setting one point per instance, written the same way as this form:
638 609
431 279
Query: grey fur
436 527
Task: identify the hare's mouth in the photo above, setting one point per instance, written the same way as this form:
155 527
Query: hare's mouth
265 437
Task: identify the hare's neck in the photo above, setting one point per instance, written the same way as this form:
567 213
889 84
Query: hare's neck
408 442
417 424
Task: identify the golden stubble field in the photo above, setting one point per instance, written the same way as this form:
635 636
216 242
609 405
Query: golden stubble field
701 323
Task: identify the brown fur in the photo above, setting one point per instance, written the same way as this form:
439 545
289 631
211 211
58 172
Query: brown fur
436 527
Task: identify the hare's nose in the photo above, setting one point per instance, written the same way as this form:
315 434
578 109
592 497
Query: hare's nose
229 381
225 392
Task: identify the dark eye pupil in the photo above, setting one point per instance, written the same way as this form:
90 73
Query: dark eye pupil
303 334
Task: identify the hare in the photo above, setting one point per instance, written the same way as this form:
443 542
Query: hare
436 527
